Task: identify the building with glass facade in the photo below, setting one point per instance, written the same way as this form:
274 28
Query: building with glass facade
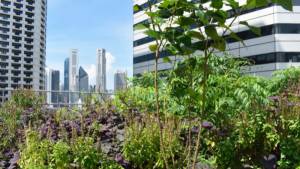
120 81
83 80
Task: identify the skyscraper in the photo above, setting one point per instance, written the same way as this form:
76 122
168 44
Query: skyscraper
101 71
120 80
55 79
66 74
277 48
22 44
73 76
73 67
83 80
48 84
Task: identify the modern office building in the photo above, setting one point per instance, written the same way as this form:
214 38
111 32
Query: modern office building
52 86
66 74
73 67
73 76
55 79
277 48
101 71
120 81
22 44
83 80
48 84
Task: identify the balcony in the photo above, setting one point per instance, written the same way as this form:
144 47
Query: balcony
4 23
16 66
29 28
17 19
18 6
5 3
30 8
16 52
3 58
30 2
4 16
29 15
16 45
17 25
17 32
5 10
4 51
16 59
16 38
18 12
29 34
4 44
4 37
29 21
4 30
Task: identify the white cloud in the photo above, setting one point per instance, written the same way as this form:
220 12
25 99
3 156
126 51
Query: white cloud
110 60
91 71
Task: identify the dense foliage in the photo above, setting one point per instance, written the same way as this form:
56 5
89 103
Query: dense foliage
248 121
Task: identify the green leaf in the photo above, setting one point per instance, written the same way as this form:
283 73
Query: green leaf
233 4
195 34
140 27
136 8
153 48
211 31
256 3
164 13
236 37
254 29
185 21
152 34
167 60
202 16
217 4
286 4
219 44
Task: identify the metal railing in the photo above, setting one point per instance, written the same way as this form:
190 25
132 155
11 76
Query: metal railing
61 98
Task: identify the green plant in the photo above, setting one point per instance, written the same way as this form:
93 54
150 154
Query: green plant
60 156
172 25
142 145
35 153
85 154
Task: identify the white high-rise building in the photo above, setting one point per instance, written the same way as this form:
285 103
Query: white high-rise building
22 44
73 70
48 84
101 71
277 48
73 76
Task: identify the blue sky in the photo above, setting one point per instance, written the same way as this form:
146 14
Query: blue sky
87 25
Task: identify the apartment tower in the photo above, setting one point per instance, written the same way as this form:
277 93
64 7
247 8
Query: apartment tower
22 45
277 48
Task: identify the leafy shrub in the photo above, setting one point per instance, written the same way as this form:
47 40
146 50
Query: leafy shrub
142 146
26 99
39 153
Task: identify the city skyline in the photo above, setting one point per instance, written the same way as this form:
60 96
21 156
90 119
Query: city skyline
115 35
